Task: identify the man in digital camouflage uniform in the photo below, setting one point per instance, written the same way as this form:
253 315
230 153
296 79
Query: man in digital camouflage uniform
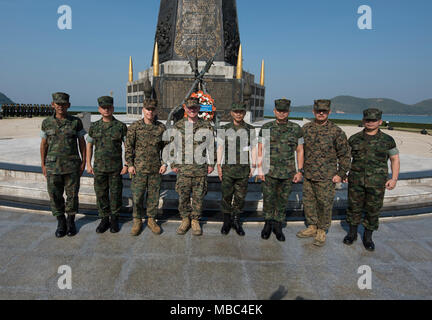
144 146
368 178
326 162
191 175
286 140
239 137
61 162
107 136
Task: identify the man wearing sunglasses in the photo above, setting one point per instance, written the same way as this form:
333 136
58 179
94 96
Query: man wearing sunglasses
191 184
368 177
326 162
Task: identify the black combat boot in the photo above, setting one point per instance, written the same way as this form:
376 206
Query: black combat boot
351 236
61 226
71 228
277 230
103 225
237 225
114 226
367 240
266 231
226 227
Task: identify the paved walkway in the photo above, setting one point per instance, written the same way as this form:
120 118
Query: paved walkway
212 266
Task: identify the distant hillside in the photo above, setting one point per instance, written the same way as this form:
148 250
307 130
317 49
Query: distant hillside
348 104
4 99
424 104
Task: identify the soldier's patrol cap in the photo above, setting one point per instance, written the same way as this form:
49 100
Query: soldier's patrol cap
322 104
282 104
192 102
239 106
60 97
372 114
105 101
150 103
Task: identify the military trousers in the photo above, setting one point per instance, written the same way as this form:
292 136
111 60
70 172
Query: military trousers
57 185
318 199
234 192
364 199
275 195
142 184
108 187
191 192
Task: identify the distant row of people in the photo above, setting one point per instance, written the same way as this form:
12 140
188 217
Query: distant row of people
26 110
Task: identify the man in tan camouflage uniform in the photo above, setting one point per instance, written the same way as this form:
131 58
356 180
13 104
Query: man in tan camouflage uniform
144 146
61 162
107 135
286 142
368 178
192 176
326 162
234 174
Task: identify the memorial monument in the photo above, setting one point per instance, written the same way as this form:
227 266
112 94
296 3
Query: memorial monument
190 30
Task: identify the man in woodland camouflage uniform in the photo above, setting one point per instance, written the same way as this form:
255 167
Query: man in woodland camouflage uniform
107 135
61 162
144 146
326 162
286 140
191 175
234 174
368 178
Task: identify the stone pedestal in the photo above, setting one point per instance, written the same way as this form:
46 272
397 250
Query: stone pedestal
202 29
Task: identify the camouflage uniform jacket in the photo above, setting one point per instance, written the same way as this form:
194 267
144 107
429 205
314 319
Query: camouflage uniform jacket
107 138
144 146
284 139
326 151
238 170
61 135
370 156
193 169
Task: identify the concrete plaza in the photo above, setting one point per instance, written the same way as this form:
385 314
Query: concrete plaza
119 266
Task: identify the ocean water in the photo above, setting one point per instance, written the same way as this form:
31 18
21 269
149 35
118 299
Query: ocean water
93 109
347 116
355 116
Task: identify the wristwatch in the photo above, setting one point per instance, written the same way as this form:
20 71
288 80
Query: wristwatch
301 171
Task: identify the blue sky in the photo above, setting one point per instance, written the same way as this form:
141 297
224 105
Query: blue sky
312 48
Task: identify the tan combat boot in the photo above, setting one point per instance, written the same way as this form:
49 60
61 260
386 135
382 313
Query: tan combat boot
184 227
196 228
136 228
151 223
309 232
320 238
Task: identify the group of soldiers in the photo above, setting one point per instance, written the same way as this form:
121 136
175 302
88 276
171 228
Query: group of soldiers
319 154
26 110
